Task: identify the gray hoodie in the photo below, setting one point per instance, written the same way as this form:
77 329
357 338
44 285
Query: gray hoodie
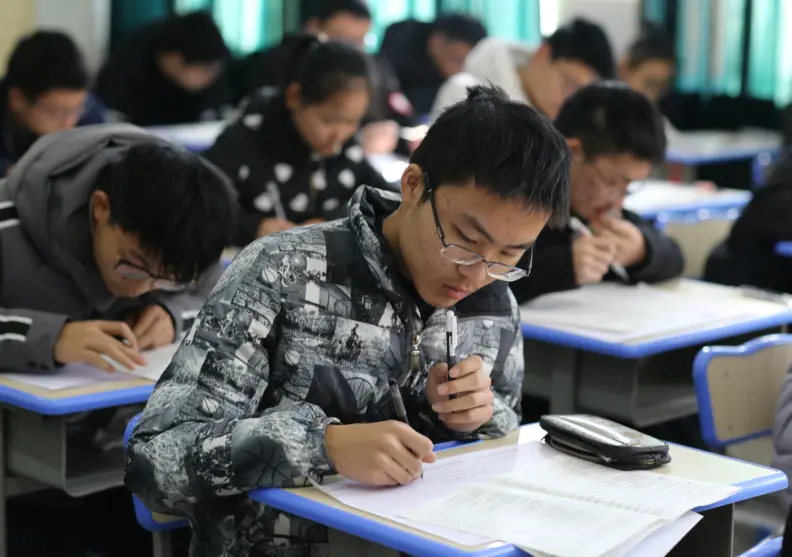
47 270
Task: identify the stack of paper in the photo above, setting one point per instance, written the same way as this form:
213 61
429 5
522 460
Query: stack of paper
620 313
545 502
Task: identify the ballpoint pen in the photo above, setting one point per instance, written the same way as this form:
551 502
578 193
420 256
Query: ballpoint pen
274 192
451 342
398 403
577 225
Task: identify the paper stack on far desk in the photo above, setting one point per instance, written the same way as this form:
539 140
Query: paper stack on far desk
621 313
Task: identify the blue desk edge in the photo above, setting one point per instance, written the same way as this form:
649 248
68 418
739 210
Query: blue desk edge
71 405
643 349
414 544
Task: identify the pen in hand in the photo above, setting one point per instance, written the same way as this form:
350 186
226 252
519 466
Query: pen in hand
577 225
398 403
451 343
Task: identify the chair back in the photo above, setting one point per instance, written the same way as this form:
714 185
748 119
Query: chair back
737 388
697 235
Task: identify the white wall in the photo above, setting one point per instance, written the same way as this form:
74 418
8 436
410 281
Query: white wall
620 18
17 17
86 21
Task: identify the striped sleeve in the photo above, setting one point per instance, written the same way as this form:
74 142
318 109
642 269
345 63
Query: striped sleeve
27 337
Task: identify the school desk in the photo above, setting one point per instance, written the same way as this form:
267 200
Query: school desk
196 137
653 197
691 149
34 444
644 381
357 534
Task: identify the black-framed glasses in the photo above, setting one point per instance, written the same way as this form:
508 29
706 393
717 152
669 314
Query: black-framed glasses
131 271
463 256
620 188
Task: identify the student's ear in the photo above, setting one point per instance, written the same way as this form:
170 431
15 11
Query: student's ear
576 147
624 68
412 184
293 96
16 99
100 207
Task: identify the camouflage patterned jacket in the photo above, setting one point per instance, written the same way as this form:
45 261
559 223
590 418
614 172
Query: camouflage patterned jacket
303 330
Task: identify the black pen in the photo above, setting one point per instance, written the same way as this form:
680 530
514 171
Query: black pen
451 343
398 403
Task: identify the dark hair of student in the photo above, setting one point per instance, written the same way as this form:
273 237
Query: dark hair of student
461 27
507 147
651 45
328 8
609 118
46 60
323 69
586 42
177 205
195 36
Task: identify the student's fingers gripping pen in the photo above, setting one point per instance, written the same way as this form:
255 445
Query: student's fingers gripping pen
451 342
577 225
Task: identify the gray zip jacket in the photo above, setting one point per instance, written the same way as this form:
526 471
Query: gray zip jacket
47 270
304 329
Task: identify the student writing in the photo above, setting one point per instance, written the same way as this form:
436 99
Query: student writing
45 89
615 135
297 154
286 373
168 72
573 56
101 226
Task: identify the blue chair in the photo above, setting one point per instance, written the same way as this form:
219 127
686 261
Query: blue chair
158 524
737 388
767 548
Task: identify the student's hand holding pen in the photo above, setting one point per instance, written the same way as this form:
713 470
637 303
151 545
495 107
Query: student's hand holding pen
382 453
626 237
273 225
591 258
472 406
86 342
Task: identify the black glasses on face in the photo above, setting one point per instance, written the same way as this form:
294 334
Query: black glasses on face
618 188
130 271
463 256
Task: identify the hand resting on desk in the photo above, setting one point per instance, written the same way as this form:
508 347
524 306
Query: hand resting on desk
85 342
472 406
382 453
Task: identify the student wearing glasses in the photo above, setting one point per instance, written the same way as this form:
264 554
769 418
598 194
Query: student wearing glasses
45 89
109 243
616 136
286 373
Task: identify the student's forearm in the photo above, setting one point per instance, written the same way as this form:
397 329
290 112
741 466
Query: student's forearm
552 271
28 338
663 260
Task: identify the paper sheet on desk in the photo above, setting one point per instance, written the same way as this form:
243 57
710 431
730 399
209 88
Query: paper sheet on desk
79 375
619 313
67 377
559 505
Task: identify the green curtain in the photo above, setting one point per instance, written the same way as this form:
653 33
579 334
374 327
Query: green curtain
386 12
247 25
654 11
128 15
770 54
516 20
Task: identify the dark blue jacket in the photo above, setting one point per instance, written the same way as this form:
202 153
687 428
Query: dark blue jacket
15 141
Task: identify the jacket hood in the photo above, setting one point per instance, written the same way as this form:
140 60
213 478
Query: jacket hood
51 189
496 61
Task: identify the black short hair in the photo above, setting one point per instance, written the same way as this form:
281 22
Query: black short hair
461 27
584 41
323 68
328 8
44 61
177 205
651 45
609 118
195 36
507 147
